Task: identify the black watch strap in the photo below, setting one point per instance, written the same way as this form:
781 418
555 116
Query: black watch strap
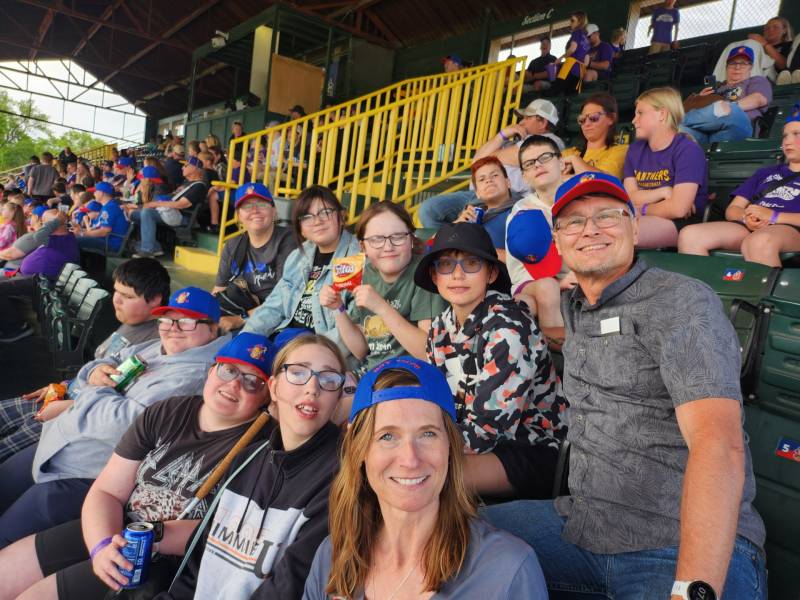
158 530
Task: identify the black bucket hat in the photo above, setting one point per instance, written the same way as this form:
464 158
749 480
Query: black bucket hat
466 237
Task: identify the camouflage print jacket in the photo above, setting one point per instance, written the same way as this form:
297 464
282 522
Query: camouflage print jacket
501 374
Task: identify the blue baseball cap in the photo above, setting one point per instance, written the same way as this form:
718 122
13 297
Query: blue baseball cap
794 114
195 162
125 162
248 349
104 187
743 52
432 387
94 206
150 173
108 175
530 240
590 183
253 190
39 210
192 302
453 58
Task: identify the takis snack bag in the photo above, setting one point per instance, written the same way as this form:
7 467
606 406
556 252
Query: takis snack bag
55 391
347 272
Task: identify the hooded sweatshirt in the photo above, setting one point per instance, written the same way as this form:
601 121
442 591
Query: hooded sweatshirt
79 442
268 524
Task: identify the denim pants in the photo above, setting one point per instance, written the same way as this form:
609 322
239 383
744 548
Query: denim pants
574 573
148 219
706 128
444 208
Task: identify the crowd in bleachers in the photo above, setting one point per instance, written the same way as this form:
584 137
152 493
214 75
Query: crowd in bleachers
325 421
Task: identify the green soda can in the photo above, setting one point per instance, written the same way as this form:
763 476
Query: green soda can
129 370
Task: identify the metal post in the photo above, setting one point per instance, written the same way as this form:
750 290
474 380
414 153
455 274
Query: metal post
328 60
192 83
733 13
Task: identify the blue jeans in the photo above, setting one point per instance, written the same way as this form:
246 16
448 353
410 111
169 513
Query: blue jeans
444 208
149 219
574 573
706 128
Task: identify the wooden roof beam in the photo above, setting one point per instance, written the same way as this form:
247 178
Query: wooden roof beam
96 27
44 27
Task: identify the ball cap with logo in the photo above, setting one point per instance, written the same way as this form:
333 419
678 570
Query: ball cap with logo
192 302
253 190
794 114
248 349
466 237
742 52
529 239
105 188
432 387
590 183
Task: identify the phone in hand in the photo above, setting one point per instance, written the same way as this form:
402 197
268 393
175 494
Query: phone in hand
710 81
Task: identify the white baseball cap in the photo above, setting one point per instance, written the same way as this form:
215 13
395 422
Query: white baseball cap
540 108
591 28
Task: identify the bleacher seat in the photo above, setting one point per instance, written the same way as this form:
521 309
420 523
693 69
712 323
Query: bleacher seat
71 332
625 89
659 70
692 65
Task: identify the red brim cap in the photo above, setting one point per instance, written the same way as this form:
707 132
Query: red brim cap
192 314
592 186
259 196
549 266
236 361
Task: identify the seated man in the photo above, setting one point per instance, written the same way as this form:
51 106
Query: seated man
660 478
538 118
601 56
536 75
173 212
60 248
140 285
744 98
110 220
75 446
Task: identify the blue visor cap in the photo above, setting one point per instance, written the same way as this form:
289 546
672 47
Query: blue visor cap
432 387
248 349
528 236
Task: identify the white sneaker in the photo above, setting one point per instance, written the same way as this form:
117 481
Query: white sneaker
784 78
796 76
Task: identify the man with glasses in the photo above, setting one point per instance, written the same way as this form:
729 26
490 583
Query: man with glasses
44 485
661 483
744 98
540 117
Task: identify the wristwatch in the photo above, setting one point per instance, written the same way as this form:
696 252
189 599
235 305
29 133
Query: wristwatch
693 590
158 530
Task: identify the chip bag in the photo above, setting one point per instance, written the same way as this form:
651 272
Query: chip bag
55 391
347 272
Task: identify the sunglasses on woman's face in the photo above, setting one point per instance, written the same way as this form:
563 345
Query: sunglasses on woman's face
592 118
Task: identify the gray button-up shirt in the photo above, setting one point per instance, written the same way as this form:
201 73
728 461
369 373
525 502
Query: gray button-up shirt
653 341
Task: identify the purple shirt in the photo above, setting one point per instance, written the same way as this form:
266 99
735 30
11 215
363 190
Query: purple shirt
601 53
785 198
683 161
734 92
662 21
49 259
581 49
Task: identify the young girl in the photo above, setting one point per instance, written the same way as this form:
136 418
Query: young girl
508 397
273 512
153 475
390 315
13 224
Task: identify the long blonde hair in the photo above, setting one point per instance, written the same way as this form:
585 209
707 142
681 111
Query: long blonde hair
667 99
355 516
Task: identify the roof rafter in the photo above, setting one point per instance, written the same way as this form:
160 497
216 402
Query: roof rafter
96 27
44 27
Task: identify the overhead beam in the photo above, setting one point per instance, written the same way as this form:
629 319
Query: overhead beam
96 27
181 83
382 27
342 26
327 5
351 7
44 27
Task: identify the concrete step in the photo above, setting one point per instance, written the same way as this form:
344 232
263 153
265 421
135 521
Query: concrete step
199 260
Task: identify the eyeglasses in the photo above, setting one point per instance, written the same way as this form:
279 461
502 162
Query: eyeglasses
738 64
322 215
469 264
379 241
297 374
604 219
184 323
250 383
542 159
592 118
255 205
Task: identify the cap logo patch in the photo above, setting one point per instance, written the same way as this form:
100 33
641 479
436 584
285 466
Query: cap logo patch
587 177
182 298
251 190
257 351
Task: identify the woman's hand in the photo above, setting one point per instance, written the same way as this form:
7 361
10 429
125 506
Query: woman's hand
758 38
36 396
330 298
706 91
365 296
101 376
754 223
106 563
53 409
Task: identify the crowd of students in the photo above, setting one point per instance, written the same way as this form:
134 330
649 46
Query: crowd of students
367 425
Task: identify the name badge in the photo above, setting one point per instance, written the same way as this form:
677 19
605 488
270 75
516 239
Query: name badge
609 326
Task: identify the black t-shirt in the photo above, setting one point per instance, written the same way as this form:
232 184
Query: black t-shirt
303 317
176 457
195 193
537 65
784 48
174 172
209 175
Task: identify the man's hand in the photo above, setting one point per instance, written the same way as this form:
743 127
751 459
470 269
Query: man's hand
467 215
53 409
100 376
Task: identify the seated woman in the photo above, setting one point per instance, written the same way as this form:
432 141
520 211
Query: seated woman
598 150
402 523
497 364
744 98
273 513
155 470
318 220
389 314
665 172
252 264
776 41
763 219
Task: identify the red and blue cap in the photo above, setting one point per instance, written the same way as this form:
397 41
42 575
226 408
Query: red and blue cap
93 206
194 162
248 349
432 387
253 190
150 173
794 114
104 187
590 183
529 239
125 161
192 302
741 52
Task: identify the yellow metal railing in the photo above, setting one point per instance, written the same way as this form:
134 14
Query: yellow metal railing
391 144
92 154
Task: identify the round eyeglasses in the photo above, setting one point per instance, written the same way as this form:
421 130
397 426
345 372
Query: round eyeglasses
250 383
379 241
469 264
183 324
297 374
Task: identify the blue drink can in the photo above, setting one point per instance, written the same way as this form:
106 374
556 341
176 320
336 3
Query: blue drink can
479 211
139 536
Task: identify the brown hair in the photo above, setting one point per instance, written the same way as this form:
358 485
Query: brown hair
609 105
355 516
18 218
146 190
788 34
582 18
306 199
399 211
306 339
